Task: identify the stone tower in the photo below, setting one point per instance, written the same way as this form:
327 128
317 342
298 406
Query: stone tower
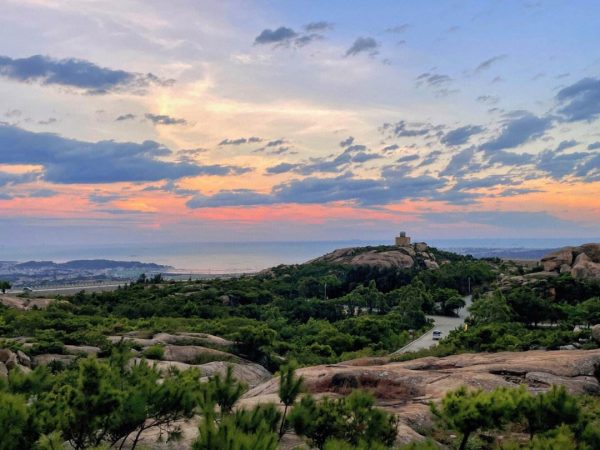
403 240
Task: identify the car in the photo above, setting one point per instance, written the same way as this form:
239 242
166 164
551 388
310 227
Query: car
437 335
27 289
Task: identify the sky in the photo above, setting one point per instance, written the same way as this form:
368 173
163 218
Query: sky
191 120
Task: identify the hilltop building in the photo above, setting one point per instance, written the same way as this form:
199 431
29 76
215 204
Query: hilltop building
403 240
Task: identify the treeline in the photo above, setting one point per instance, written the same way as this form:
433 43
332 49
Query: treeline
313 313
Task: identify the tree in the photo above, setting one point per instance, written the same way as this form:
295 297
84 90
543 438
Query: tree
468 411
289 389
4 285
548 410
226 392
14 417
490 309
353 419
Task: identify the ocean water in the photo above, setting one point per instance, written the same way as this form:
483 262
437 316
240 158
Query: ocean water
237 257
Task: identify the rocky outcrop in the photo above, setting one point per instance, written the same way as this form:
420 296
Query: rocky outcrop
10 360
580 262
386 257
25 304
248 373
175 339
407 388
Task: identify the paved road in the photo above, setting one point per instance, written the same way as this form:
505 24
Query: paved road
442 323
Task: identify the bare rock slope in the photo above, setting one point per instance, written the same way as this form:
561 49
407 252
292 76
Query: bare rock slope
406 388
404 257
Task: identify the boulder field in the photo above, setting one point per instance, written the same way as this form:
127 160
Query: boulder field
581 262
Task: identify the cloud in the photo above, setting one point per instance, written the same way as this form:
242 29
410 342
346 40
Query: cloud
75 73
280 35
238 197
390 148
405 129
7 178
240 141
408 158
163 119
580 101
282 168
461 163
518 130
48 121
430 158
398 29
319 26
433 79
363 45
346 142
124 117
485 65
461 135
511 220
561 165
71 161
594 146
566 144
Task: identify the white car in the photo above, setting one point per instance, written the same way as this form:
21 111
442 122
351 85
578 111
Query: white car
437 335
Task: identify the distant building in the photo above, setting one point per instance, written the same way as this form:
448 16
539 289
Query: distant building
403 240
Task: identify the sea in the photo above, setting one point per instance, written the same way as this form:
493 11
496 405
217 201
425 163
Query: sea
246 257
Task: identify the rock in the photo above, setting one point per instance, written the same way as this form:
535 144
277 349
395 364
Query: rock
554 260
82 350
567 347
406 388
5 355
12 361
3 370
250 373
431 264
584 267
421 247
45 359
192 354
582 261
596 333
24 359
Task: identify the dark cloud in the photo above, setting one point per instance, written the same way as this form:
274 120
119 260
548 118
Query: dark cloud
319 26
566 144
282 168
559 165
518 130
461 135
405 129
75 73
516 192
280 35
346 142
488 99
580 101
102 199
505 158
73 161
273 143
408 158
362 157
433 79
363 45
430 158
163 119
390 148
124 117
485 65
7 178
240 141
238 197
594 146
462 163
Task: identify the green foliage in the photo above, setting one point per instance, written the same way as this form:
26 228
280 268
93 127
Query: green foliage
546 411
290 387
226 391
14 422
4 285
156 351
352 419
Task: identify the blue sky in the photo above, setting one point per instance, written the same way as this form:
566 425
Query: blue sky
312 120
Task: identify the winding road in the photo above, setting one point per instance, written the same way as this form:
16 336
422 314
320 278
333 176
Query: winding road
444 324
